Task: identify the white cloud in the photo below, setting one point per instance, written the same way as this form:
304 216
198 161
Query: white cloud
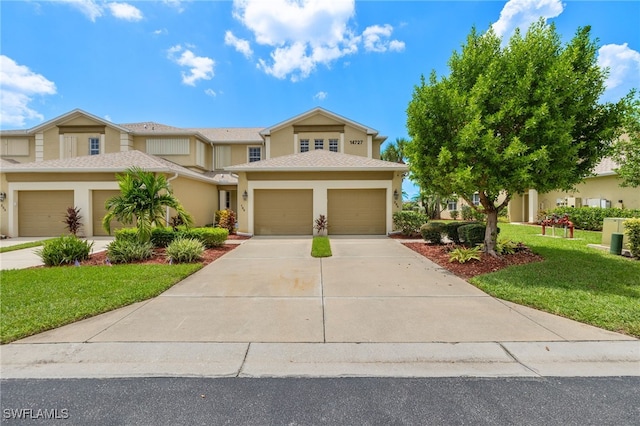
89 8
239 44
211 93
176 4
522 13
18 85
125 11
320 96
376 39
199 67
304 33
161 31
623 64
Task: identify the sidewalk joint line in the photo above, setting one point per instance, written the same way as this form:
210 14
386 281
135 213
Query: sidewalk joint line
324 325
512 356
244 360
143 303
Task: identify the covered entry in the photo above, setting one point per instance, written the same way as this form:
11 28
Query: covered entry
40 213
357 211
283 211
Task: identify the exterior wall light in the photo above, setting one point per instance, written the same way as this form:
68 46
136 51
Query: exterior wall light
395 194
3 196
245 195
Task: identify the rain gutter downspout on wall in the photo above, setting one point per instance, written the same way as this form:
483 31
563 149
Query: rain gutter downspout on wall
167 214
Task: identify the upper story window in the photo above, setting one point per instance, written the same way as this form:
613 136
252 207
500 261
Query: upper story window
94 146
476 199
319 144
452 205
168 146
333 145
304 145
222 157
15 147
255 154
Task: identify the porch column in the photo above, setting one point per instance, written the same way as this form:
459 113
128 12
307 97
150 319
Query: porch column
533 205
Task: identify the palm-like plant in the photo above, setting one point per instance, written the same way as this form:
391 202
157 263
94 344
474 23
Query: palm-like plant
142 200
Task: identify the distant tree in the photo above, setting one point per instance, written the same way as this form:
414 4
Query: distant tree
511 118
395 151
626 151
142 200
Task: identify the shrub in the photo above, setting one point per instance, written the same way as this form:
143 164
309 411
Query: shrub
125 251
227 220
464 254
184 250
450 229
128 234
454 214
432 232
592 218
209 237
64 250
176 221
162 236
632 229
321 224
72 220
467 213
472 234
409 222
506 246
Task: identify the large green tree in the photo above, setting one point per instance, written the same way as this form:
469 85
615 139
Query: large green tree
508 118
626 151
144 197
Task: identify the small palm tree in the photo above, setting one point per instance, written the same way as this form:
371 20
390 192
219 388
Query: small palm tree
142 200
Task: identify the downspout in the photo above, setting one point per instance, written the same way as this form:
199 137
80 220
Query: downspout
167 214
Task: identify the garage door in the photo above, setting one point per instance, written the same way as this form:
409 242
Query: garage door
99 198
40 213
357 211
283 212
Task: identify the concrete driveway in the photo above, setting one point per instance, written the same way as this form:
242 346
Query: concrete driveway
371 290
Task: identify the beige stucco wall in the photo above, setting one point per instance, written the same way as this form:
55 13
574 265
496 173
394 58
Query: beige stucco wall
605 187
282 142
187 160
354 135
242 213
4 218
199 198
240 154
51 148
112 140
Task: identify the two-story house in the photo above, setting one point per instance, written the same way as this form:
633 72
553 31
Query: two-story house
277 179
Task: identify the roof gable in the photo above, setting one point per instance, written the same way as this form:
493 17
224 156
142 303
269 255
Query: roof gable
315 114
75 117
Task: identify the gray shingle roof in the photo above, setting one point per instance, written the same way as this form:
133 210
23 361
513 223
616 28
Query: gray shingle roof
231 134
318 160
114 162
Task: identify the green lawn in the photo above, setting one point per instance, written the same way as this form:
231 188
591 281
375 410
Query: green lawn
22 246
574 281
39 299
321 247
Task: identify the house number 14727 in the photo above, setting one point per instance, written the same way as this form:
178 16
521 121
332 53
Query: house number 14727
356 142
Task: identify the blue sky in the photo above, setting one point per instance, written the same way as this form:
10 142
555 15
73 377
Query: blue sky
252 63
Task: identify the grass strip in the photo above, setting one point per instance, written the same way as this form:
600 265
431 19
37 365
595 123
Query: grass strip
320 247
574 281
22 246
39 299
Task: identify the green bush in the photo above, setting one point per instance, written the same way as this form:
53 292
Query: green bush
432 232
450 229
210 237
227 220
592 218
162 236
126 251
409 222
128 234
64 250
454 214
506 246
463 254
467 212
185 250
632 229
472 234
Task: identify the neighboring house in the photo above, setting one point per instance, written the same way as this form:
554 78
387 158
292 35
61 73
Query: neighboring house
278 179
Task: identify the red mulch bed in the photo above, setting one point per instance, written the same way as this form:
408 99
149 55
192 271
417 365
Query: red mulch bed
440 255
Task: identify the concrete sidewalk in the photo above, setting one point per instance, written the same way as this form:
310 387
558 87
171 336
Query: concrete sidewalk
27 258
375 308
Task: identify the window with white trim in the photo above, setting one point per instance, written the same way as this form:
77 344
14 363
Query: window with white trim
15 147
318 144
333 145
304 145
476 199
452 205
94 146
255 154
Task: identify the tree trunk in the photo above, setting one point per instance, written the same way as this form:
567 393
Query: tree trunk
491 232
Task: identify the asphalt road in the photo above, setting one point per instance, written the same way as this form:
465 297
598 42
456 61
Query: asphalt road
336 401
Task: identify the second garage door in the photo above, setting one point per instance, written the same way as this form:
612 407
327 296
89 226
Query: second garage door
283 212
357 211
41 213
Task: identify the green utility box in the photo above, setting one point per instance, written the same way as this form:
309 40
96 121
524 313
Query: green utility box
613 225
616 244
